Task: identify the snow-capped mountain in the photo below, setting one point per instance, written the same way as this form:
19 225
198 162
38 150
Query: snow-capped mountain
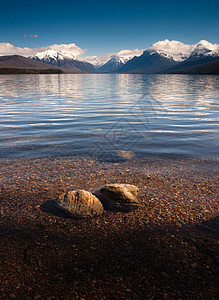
171 49
204 48
64 60
53 55
149 62
113 64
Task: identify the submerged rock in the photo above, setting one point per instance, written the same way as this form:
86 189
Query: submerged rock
80 204
115 156
126 155
118 197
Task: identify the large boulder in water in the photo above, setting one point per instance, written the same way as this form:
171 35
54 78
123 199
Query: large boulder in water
80 204
118 197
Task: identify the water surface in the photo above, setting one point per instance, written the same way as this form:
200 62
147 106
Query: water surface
96 114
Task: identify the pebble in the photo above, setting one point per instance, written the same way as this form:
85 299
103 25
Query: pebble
167 276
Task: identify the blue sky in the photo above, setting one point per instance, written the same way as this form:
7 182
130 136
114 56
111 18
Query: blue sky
108 26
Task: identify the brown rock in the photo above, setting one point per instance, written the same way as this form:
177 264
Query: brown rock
80 204
122 197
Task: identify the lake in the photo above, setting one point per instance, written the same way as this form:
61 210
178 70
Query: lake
97 114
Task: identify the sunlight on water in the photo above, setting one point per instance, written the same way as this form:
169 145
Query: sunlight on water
95 113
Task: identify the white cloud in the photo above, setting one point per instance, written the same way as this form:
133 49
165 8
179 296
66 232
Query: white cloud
128 54
9 49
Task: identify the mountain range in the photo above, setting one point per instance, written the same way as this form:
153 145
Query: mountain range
162 57
16 64
175 57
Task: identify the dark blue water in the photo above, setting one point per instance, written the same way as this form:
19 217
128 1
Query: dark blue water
96 114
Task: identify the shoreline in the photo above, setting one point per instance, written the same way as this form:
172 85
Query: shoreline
154 252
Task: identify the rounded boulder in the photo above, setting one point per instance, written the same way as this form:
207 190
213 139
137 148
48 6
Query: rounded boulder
118 197
80 204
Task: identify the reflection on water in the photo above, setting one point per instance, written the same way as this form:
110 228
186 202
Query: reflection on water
97 114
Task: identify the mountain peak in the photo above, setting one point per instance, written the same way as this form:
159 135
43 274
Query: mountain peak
117 59
53 54
172 49
113 64
204 42
205 48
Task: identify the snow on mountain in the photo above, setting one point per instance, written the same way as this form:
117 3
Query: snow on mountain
180 52
149 62
67 49
128 54
53 54
205 48
65 60
123 55
172 49
113 64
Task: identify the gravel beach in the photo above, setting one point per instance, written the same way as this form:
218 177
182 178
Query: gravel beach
162 250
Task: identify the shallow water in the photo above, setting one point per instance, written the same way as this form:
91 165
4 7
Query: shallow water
98 114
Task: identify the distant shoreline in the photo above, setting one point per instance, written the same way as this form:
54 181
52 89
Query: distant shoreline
17 71
8 71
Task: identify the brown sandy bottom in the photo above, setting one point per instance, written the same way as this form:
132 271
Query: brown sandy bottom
155 252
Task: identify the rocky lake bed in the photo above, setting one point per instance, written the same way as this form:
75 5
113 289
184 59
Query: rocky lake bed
166 248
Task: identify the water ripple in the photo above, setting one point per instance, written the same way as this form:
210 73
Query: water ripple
92 113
